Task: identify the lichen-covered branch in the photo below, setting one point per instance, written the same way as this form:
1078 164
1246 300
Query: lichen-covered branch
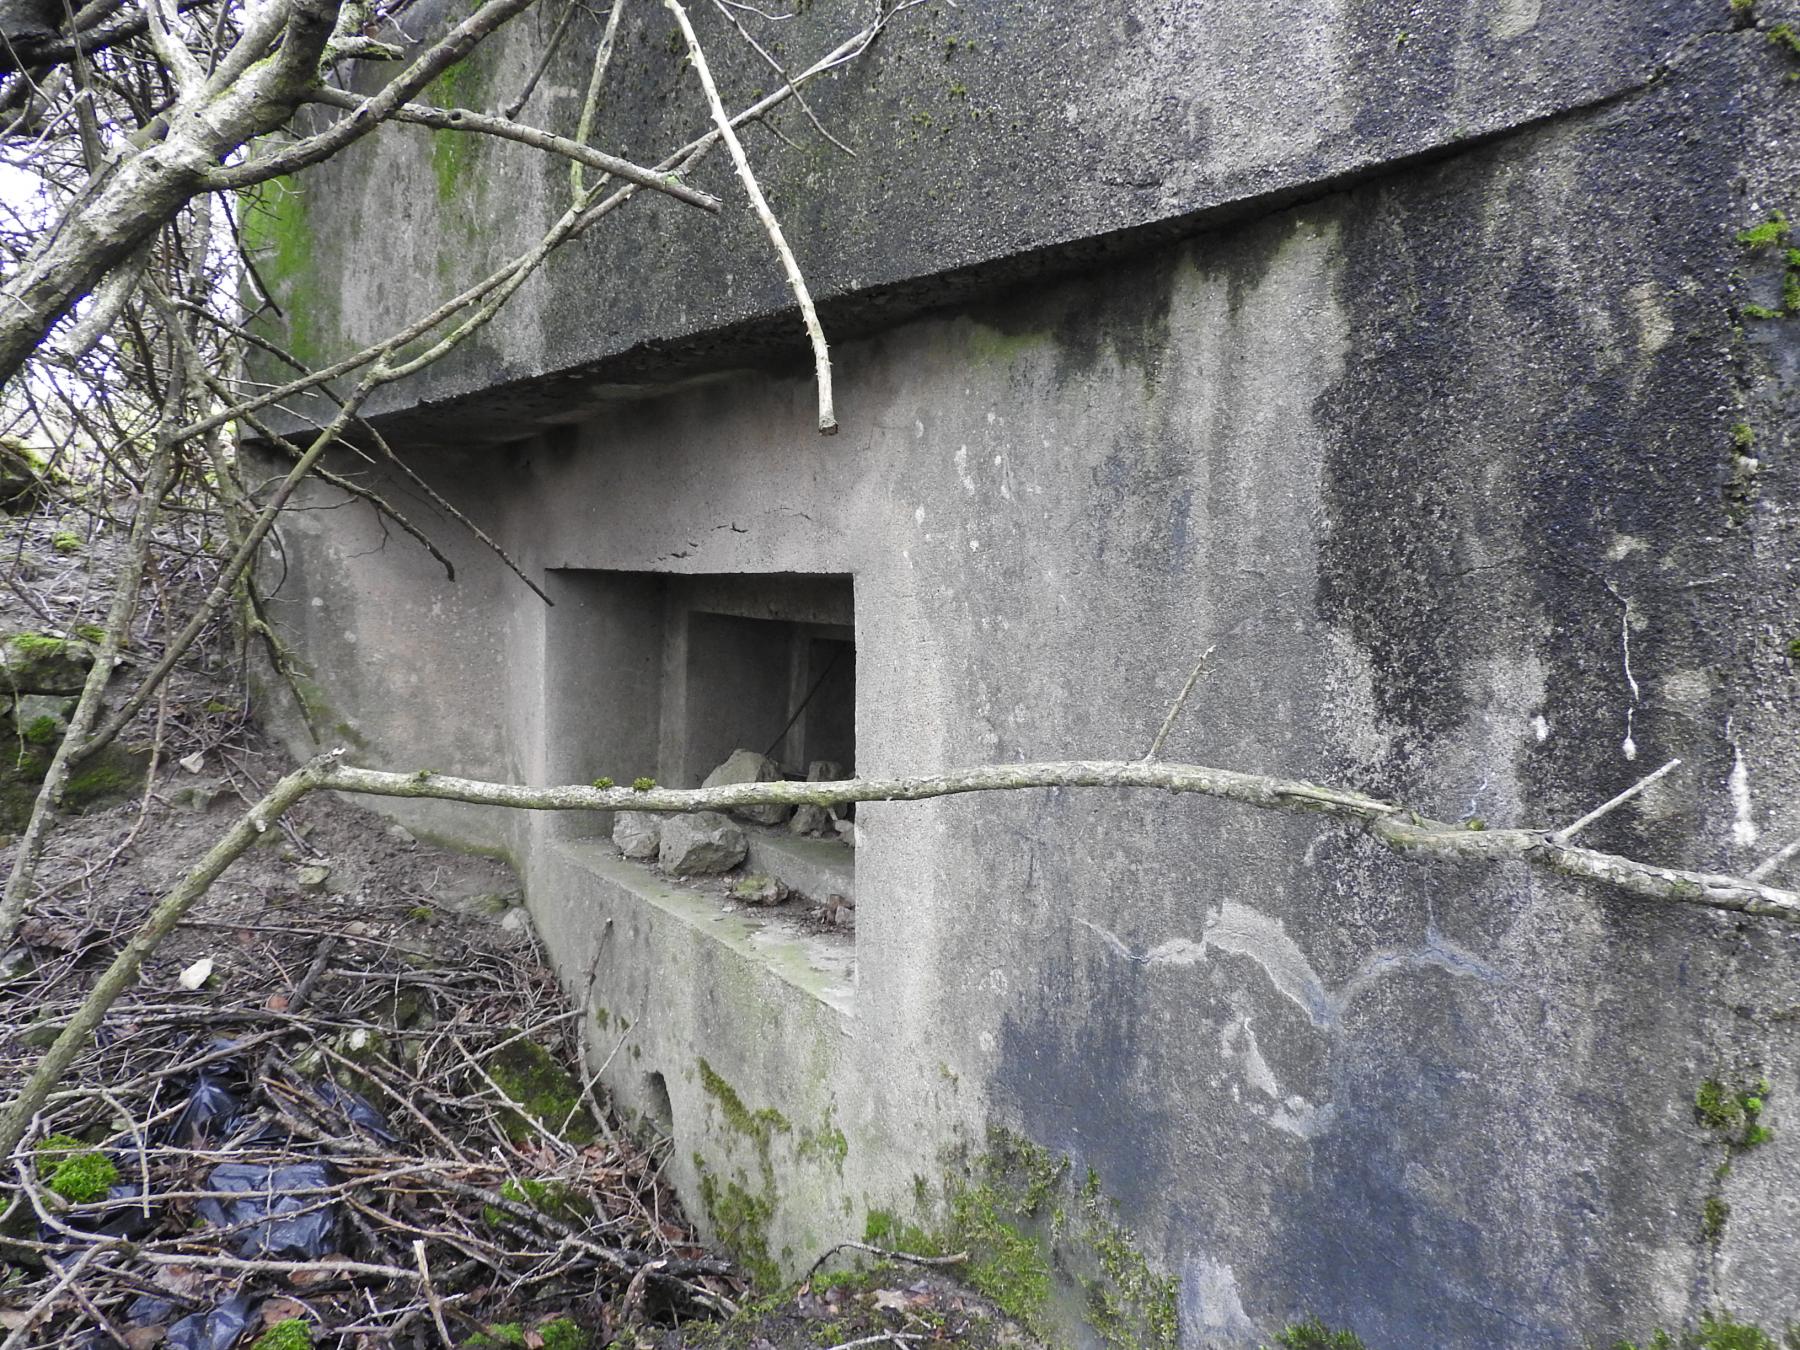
462 119
1403 831
1392 825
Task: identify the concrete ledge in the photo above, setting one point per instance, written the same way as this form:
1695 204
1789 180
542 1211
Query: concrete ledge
820 965
817 868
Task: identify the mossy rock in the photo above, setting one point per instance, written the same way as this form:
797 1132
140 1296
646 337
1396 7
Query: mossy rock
115 774
550 1094
25 476
40 663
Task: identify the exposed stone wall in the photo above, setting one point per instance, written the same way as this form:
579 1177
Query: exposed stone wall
1445 468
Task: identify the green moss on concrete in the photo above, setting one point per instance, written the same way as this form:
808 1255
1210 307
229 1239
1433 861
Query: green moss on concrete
549 1093
740 1219
279 241
760 1126
453 153
1312 1334
1717 1331
1713 1216
883 1228
1034 1237
1774 230
825 1144
291 1333
1007 1264
40 731
1733 1112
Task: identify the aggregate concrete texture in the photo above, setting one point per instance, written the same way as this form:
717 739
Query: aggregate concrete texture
1447 468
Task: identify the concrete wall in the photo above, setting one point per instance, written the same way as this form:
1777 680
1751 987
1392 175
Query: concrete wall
996 139
1443 468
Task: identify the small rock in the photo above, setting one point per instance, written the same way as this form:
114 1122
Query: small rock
193 763
847 831
759 890
196 975
400 832
811 820
702 843
516 920
637 833
747 766
196 798
487 905
313 878
38 663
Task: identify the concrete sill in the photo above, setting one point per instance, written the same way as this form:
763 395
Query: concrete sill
817 868
821 965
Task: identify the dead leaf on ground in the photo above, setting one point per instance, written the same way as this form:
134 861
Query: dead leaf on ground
281 1309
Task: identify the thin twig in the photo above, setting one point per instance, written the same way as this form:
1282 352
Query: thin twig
431 1297
1774 860
791 265
1568 832
1180 700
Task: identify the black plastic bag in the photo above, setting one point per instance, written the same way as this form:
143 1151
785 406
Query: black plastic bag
147 1310
218 1329
280 1225
211 1110
354 1108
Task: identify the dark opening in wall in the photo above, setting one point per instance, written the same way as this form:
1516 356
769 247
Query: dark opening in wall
658 676
657 1107
784 688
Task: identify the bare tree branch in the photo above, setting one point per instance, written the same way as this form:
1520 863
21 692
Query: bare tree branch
796 282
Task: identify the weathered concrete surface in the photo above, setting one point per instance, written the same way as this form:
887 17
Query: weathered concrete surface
1445 469
997 139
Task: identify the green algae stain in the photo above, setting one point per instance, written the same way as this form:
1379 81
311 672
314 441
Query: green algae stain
278 240
740 1217
453 153
760 1126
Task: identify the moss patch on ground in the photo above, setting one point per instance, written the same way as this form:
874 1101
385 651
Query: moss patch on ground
77 1173
549 1094
291 1333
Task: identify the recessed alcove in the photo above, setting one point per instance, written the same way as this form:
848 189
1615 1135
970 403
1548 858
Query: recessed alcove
649 675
